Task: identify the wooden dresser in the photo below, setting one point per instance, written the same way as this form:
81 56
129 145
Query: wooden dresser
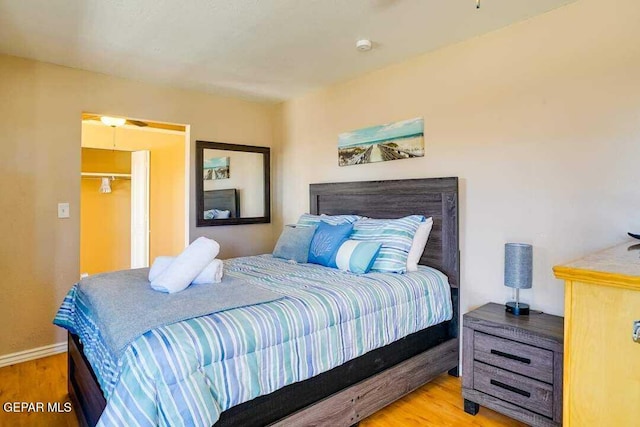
601 359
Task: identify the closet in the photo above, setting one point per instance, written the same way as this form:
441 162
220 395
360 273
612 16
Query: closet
105 210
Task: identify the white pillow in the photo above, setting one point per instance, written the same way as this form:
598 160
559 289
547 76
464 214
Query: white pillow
418 244
216 214
187 266
223 214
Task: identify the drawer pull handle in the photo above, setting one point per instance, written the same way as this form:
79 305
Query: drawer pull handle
511 356
510 388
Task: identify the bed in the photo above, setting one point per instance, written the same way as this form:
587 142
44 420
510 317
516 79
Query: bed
223 200
353 390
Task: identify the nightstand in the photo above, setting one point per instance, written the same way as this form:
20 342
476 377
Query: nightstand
513 364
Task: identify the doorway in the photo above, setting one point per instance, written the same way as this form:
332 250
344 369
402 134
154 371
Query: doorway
134 192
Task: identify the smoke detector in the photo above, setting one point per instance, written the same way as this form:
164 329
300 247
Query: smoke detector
363 45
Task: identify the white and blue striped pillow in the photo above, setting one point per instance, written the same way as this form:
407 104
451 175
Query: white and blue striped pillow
307 220
357 256
396 236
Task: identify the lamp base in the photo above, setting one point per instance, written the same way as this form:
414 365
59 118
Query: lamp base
521 309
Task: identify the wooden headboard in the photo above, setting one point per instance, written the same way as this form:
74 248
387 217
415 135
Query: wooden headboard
431 197
224 200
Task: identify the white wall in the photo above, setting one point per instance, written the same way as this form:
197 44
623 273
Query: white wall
540 120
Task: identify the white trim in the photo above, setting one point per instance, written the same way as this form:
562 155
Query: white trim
140 209
187 184
32 354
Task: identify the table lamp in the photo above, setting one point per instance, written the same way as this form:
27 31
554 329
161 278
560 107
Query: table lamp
518 259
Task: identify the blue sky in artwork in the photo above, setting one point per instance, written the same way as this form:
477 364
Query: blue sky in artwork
216 162
375 134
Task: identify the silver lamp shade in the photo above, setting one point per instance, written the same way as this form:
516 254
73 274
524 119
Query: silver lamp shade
518 273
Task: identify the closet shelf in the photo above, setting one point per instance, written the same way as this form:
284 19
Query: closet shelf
105 175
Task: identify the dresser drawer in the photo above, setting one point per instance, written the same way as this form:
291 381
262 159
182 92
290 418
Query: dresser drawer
521 358
528 393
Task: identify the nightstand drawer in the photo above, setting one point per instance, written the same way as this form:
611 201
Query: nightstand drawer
528 393
521 358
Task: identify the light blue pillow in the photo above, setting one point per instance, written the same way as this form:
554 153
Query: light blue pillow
294 243
308 219
326 241
357 256
396 236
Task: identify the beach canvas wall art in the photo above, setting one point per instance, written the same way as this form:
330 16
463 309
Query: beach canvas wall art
393 141
216 168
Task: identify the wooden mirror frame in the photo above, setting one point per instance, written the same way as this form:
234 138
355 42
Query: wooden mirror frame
266 153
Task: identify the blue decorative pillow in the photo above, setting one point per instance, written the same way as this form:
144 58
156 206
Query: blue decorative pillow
396 236
326 241
294 243
308 219
357 256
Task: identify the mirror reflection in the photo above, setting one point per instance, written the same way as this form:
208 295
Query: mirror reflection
233 184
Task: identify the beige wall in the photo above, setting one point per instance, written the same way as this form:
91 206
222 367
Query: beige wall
541 122
105 219
40 134
166 179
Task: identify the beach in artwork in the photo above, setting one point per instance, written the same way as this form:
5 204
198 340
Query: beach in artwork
216 168
393 141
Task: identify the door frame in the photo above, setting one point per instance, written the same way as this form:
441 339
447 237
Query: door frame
140 239
187 163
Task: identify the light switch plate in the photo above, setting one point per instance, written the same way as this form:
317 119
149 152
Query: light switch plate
63 210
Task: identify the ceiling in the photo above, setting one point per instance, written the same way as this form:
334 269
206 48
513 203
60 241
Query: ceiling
261 49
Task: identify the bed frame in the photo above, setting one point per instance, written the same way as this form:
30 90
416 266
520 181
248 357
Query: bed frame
224 200
350 392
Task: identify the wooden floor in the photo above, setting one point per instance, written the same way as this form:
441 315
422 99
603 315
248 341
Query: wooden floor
45 380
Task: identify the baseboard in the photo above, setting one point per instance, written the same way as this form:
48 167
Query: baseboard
32 354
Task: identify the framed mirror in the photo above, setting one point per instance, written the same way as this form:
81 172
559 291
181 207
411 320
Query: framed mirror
232 184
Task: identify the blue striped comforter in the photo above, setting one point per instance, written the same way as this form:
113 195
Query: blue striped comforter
187 373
